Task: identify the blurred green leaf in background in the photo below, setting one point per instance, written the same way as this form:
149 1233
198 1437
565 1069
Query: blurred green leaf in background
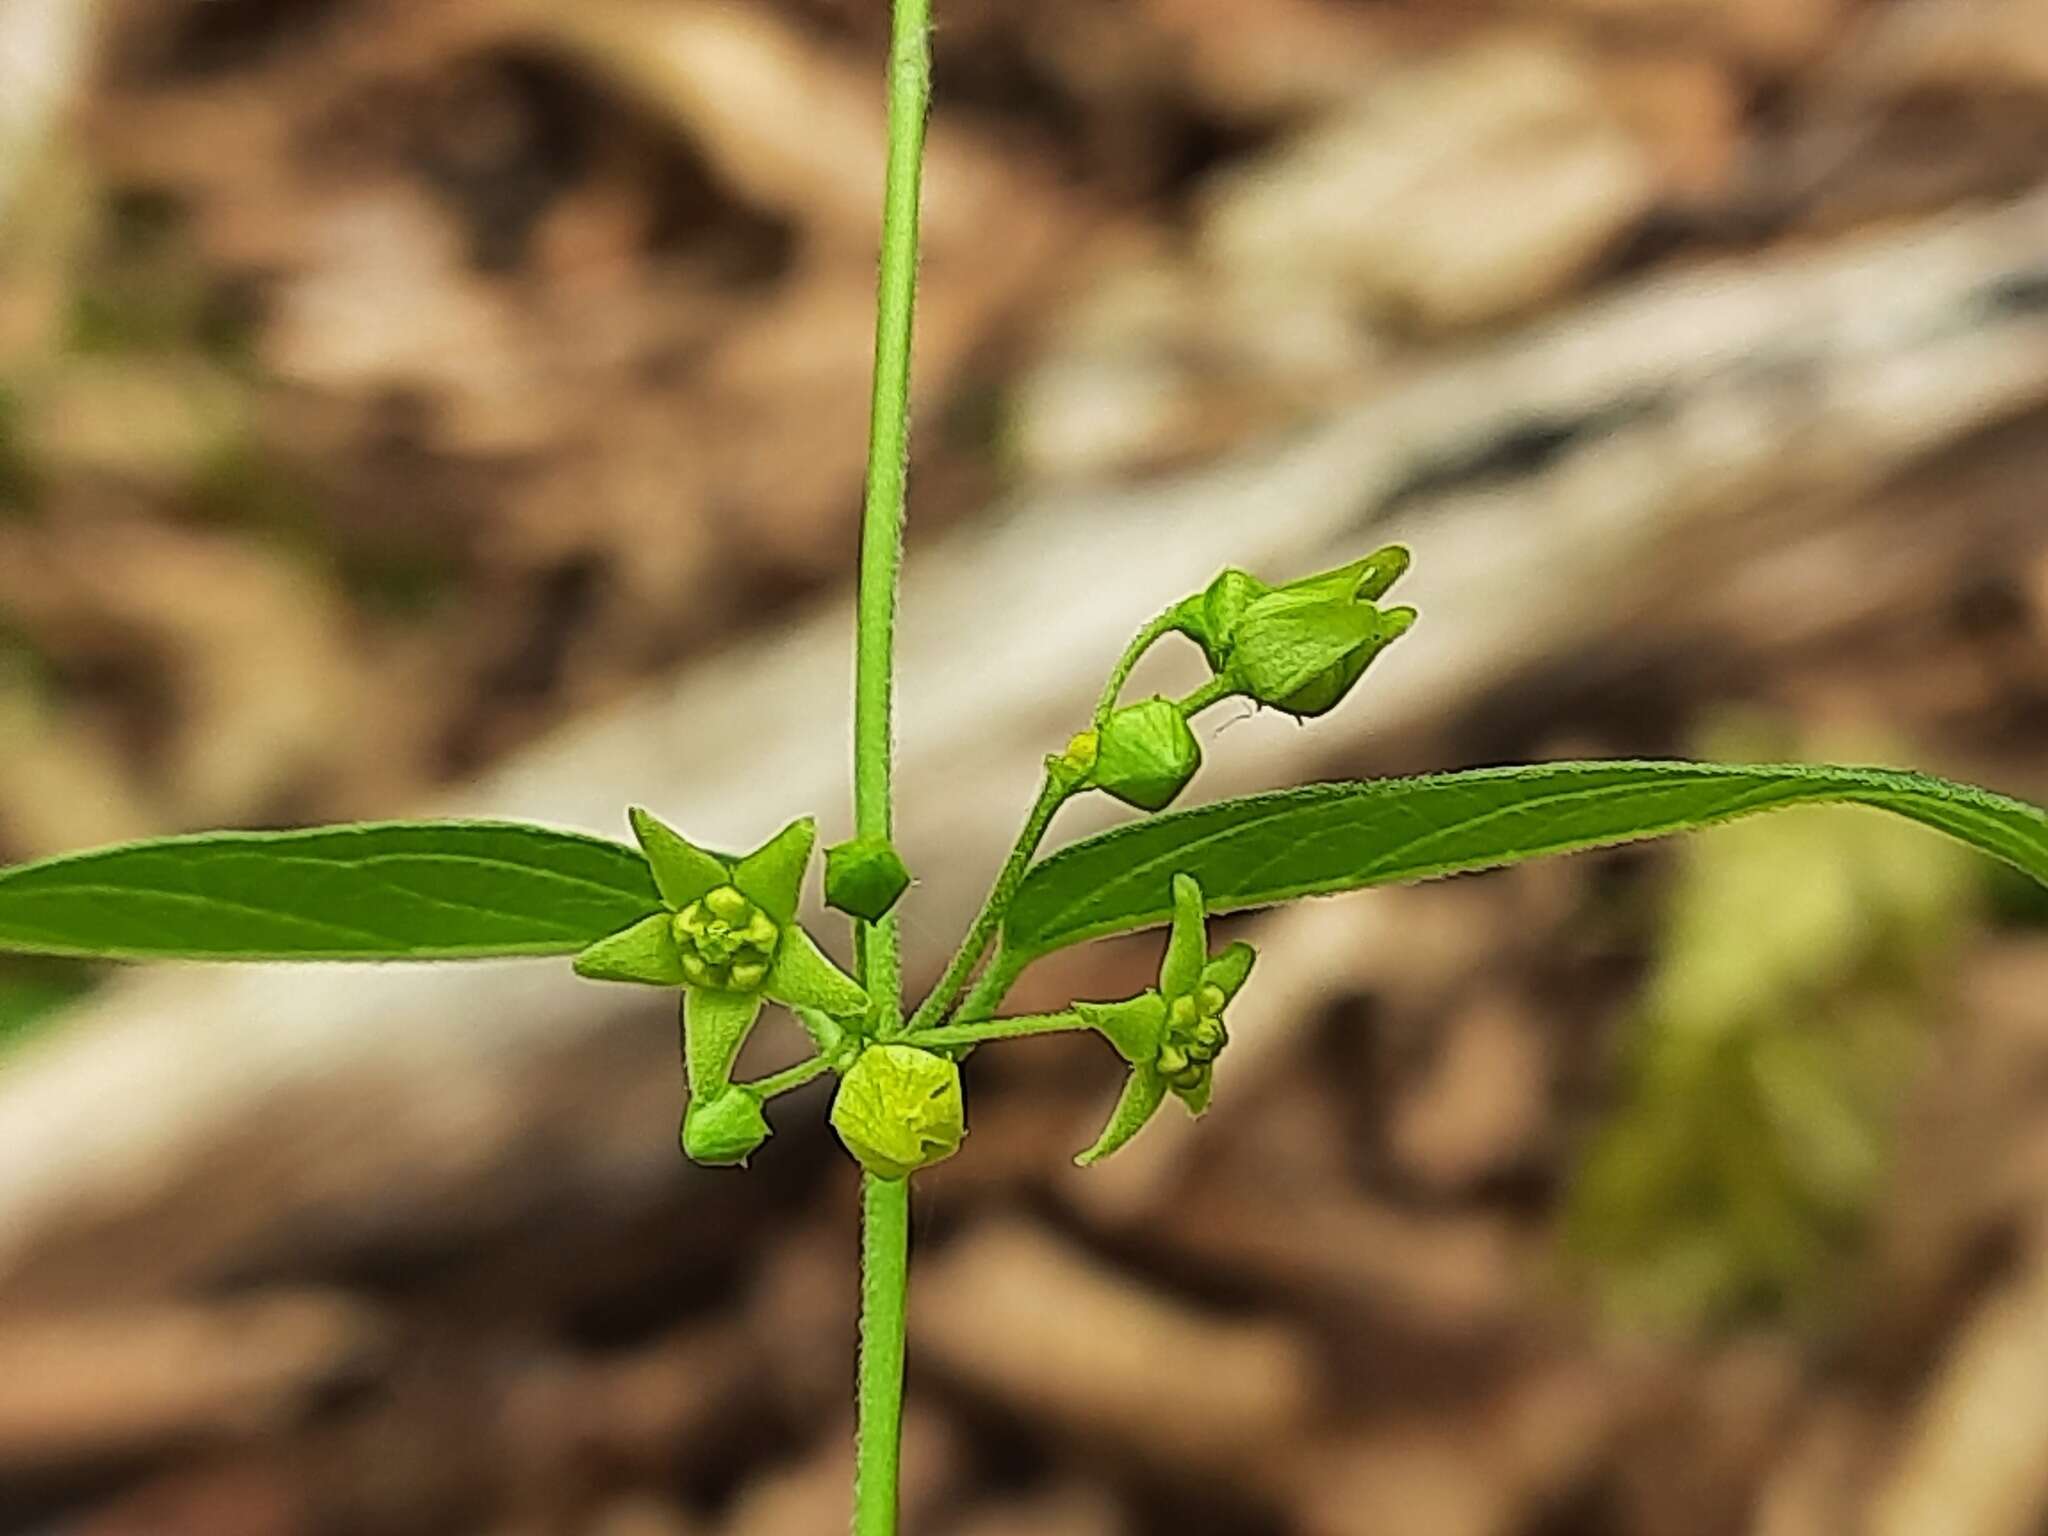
1760 1082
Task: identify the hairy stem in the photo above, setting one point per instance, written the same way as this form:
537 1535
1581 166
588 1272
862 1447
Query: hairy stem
881 549
789 1078
885 1205
1214 691
991 986
1013 1028
1126 664
884 1301
1057 788
1052 794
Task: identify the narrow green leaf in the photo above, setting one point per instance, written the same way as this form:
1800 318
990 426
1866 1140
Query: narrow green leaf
1327 838
422 890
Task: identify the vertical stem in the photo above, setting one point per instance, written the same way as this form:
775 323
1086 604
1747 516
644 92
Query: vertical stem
881 550
885 1204
884 1298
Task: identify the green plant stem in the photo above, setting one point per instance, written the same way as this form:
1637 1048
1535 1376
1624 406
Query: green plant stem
1013 1028
885 1205
884 1301
1126 664
1214 691
881 549
991 986
789 1078
1052 794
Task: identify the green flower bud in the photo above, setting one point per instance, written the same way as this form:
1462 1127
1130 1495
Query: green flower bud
1302 647
724 1130
900 1109
1211 618
865 877
1302 655
1146 754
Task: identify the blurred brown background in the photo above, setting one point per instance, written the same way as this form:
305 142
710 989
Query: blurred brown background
412 404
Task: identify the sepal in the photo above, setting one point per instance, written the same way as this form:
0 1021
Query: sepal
683 872
715 1026
803 976
772 876
1136 1027
645 953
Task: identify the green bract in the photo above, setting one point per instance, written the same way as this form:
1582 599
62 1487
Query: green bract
900 1109
1171 1035
727 933
1302 647
865 877
1144 754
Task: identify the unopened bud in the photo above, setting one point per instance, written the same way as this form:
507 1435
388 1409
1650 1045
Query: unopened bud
724 1130
900 1109
865 877
1146 755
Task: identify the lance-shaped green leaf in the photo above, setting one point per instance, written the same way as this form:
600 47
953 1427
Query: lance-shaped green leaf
420 890
1264 849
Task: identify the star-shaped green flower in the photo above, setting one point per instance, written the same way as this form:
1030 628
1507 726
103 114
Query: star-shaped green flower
727 934
1172 1035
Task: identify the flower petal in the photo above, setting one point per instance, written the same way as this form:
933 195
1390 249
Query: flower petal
1144 1091
1136 1026
715 1025
683 872
1188 944
1230 968
803 976
645 952
773 874
1368 578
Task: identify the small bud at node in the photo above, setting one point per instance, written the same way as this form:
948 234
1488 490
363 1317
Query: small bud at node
725 1130
899 1109
1147 755
865 878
